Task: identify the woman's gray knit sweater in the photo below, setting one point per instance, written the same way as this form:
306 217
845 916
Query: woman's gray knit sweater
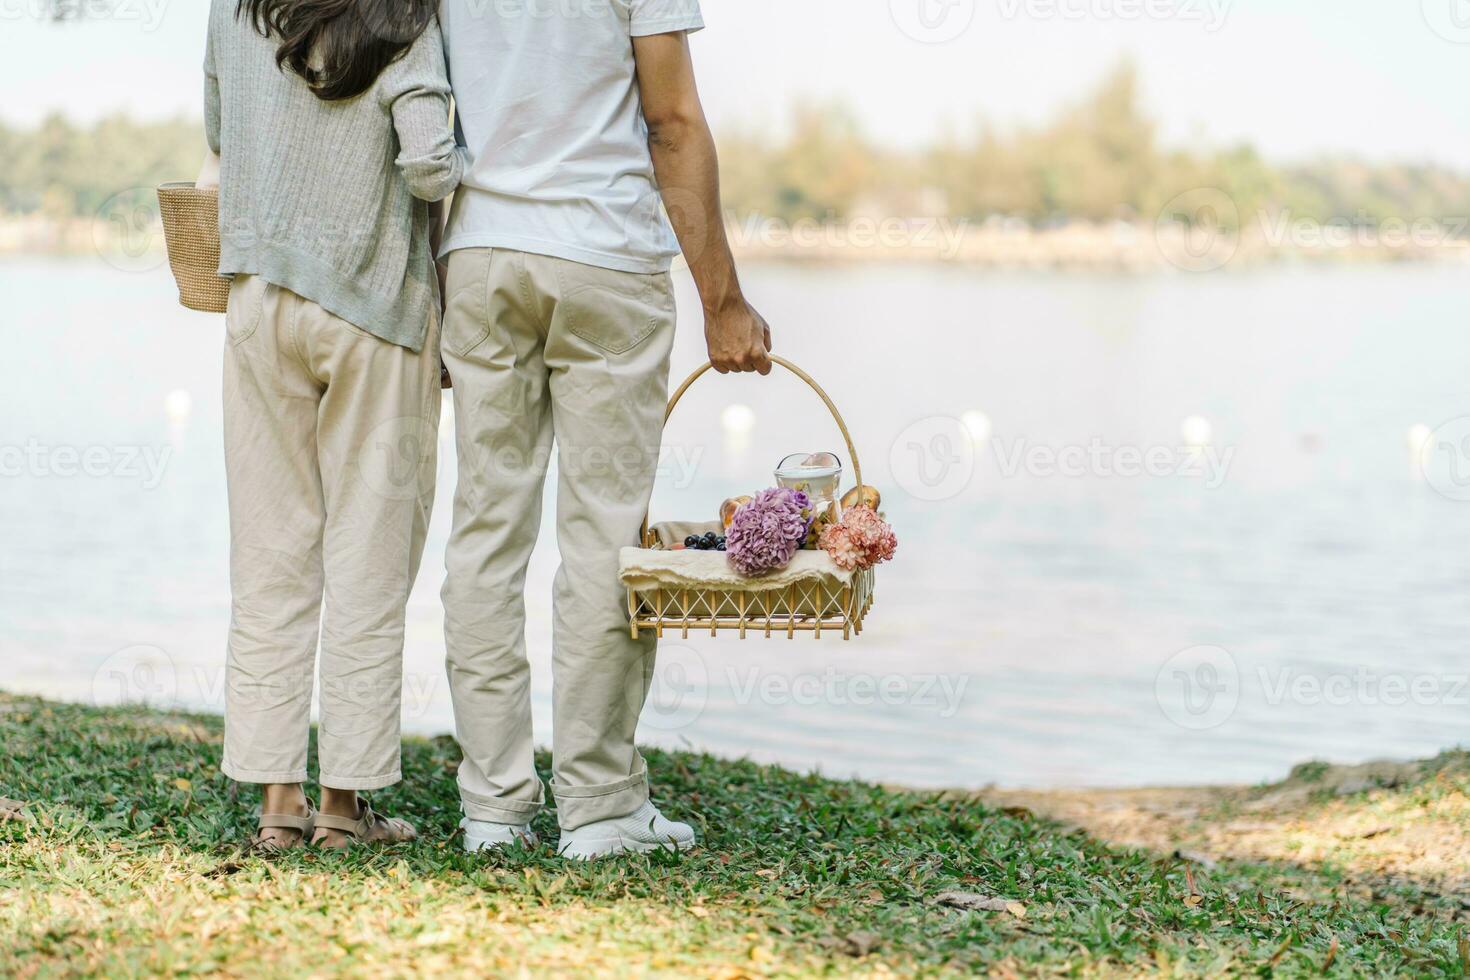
329 199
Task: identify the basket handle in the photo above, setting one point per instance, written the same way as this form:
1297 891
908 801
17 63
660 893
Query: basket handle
857 467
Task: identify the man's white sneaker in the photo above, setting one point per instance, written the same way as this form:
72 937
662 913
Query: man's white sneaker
483 835
645 830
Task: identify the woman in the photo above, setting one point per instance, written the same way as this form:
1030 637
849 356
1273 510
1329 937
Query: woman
331 120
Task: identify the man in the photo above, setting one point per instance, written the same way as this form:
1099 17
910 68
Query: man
579 115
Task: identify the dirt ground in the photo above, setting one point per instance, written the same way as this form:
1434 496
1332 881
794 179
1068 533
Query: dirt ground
1380 823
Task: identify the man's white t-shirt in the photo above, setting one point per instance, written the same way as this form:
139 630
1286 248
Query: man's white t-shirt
548 105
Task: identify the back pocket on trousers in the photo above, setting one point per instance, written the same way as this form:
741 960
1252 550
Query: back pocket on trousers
617 311
466 312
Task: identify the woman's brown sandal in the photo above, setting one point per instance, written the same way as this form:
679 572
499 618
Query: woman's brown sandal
367 828
305 826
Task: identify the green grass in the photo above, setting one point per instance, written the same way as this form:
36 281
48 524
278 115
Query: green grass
131 864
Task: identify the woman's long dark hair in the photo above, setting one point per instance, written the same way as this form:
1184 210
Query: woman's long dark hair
349 42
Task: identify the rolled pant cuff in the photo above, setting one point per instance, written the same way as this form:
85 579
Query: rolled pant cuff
260 777
500 811
577 806
361 782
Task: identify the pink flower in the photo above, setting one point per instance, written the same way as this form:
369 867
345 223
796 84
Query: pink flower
837 541
767 532
861 540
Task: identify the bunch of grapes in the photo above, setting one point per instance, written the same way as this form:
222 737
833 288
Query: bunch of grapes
709 541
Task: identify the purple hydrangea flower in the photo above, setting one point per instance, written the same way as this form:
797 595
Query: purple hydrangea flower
767 532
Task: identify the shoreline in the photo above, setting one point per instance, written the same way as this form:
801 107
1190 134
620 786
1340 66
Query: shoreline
1306 781
1057 797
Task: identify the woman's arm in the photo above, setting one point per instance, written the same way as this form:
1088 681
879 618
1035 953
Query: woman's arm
417 89
211 95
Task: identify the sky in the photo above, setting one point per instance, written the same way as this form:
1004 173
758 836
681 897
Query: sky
1382 80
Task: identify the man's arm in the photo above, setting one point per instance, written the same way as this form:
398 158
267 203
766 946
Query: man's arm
688 173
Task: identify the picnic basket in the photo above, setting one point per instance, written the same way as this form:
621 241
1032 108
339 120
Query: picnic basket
818 598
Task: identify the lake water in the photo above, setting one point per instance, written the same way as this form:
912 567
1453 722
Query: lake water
1295 586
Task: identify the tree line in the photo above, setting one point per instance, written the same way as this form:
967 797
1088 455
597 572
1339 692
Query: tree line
1098 161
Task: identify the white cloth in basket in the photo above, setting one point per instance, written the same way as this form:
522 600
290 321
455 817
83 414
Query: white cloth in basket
642 569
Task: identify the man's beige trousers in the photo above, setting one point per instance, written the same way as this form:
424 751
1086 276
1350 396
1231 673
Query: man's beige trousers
330 449
544 349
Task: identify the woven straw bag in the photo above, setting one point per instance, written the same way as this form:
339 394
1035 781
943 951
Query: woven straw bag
191 227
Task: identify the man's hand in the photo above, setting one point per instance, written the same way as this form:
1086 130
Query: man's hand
739 338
